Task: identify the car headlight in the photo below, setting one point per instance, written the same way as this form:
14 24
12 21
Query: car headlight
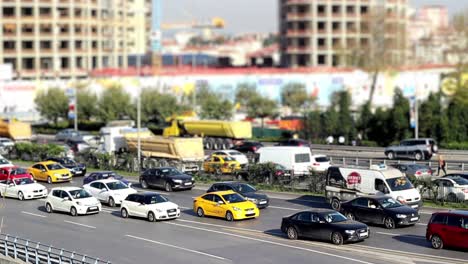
56 175
177 181
350 232
253 200
236 208
401 216
193 179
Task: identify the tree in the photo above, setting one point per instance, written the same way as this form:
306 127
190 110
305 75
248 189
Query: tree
345 120
379 129
365 118
459 50
261 107
52 104
294 95
86 104
114 104
244 92
399 116
213 107
156 107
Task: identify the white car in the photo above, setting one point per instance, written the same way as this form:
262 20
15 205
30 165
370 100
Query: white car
4 162
238 156
6 142
74 200
22 189
452 189
110 191
151 206
320 163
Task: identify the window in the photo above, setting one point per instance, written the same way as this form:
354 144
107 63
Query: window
216 159
439 219
131 198
216 199
208 197
302 158
306 217
97 185
56 193
380 186
465 222
454 220
360 202
64 195
315 218
335 178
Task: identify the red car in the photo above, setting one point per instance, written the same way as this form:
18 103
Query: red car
448 229
13 172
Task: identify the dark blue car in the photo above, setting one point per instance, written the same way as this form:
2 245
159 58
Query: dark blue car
100 175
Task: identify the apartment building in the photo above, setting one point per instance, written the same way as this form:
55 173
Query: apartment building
50 39
330 32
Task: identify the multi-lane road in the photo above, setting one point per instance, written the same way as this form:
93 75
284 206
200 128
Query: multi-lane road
190 239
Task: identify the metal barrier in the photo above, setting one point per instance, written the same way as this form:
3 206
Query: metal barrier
37 253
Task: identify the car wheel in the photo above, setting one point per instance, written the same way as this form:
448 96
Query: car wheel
451 197
389 223
292 233
144 184
437 242
350 216
337 238
73 211
49 180
20 196
418 156
200 212
111 202
168 187
335 204
229 216
48 208
390 155
151 217
124 213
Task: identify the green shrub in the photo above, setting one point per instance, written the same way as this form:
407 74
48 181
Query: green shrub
368 143
455 145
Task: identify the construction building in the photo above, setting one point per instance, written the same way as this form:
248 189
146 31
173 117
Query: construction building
50 39
329 32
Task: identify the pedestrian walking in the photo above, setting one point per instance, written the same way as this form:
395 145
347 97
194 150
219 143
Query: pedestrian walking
442 165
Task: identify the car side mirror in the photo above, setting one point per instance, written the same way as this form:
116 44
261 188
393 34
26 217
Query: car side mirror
66 199
220 202
11 185
43 170
103 189
322 222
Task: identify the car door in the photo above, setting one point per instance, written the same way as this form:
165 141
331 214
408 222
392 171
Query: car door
454 230
305 226
3 174
43 172
95 189
55 200
464 233
208 204
36 170
66 202
375 212
11 189
402 149
360 207
104 193
219 206
140 208
153 177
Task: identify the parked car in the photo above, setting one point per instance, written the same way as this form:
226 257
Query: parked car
74 200
151 206
4 162
50 171
294 142
248 146
12 172
417 149
22 188
452 189
414 170
101 175
246 190
77 169
166 177
78 145
6 143
462 175
237 155
320 163
225 204
324 224
65 134
264 170
448 229
380 210
112 192
221 164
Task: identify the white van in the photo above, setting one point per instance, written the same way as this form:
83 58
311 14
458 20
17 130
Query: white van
346 183
296 159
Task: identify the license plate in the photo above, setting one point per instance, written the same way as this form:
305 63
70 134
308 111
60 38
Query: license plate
365 234
262 202
76 172
94 208
415 206
414 219
188 183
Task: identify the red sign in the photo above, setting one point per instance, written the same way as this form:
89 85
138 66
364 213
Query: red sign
354 178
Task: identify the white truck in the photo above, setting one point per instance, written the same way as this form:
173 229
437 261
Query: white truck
296 159
22 189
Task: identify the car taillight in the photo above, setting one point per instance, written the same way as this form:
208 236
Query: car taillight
278 173
316 164
418 173
429 171
254 148
465 190
225 164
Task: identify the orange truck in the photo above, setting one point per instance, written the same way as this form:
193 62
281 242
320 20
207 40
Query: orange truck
16 130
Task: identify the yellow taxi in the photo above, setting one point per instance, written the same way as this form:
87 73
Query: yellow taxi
221 164
50 171
226 204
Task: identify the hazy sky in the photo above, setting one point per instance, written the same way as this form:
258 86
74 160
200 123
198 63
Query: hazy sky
252 15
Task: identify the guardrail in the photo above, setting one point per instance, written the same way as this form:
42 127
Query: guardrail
37 253
376 149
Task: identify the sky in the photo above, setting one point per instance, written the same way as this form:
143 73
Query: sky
249 16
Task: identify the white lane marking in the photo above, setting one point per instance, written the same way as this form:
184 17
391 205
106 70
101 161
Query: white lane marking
271 242
78 224
285 208
392 234
421 224
38 215
177 247
207 224
183 207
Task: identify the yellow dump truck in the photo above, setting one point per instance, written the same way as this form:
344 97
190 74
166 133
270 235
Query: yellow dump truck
16 130
216 134
184 153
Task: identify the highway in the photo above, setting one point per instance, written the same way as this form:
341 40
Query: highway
209 240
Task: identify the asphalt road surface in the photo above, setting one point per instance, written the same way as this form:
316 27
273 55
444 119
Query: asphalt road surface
190 239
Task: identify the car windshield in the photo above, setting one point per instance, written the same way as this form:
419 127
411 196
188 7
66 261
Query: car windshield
280 167
154 199
234 153
4 161
322 159
69 162
334 217
54 166
117 185
245 188
389 203
399 184
79 194
460 180
233 198
18 171
169 172
23 181
227 158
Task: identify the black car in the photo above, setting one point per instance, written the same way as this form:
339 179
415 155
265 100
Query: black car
248 146
380 210
77 169
294 142
324 224
166 177
246 190
101 175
